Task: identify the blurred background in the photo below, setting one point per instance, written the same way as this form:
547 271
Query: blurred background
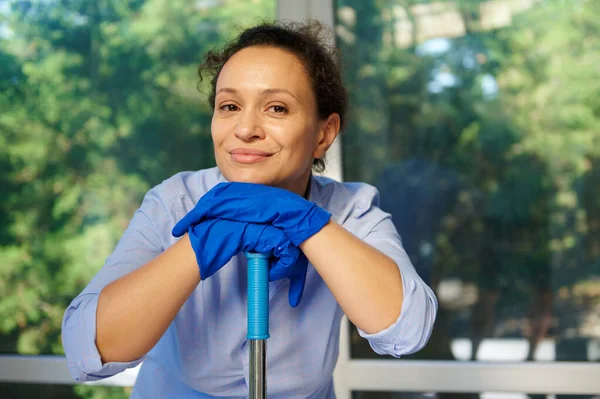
478 121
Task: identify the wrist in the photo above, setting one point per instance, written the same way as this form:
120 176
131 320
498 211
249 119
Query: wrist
186 254
308 225
311 241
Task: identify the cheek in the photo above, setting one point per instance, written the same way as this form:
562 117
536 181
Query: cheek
300 150
216 132
306 141
213 127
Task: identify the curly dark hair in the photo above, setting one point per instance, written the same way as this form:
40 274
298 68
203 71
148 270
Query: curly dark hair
307 42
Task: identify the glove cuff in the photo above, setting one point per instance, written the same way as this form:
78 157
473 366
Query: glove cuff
312 222
198 248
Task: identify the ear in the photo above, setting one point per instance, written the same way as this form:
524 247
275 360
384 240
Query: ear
328 131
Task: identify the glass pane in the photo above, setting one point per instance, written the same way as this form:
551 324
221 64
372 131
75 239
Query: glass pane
482 395
479 123
99 102
53 391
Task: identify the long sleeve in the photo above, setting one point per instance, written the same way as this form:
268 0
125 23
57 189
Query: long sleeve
414 326
140 243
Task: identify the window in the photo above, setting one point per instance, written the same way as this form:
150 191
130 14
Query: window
98 103
479 124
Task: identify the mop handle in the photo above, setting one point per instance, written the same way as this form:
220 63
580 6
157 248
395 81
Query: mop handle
258 322
258 295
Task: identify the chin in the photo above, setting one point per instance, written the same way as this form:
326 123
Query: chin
248 175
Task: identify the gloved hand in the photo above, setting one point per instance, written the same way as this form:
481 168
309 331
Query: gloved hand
256 203
216 241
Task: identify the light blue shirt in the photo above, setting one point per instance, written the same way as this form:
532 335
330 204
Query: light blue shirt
204 352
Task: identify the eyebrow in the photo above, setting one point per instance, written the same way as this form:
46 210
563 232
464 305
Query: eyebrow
265 92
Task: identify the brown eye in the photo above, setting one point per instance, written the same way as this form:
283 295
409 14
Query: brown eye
229 107
279 109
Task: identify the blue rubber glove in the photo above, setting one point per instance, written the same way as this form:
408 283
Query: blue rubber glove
256 203
216 241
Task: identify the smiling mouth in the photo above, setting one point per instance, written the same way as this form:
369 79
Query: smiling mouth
249 157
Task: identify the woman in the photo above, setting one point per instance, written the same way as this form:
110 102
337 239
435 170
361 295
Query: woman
173 292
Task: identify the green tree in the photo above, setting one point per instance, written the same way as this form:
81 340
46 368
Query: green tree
98 103
485 143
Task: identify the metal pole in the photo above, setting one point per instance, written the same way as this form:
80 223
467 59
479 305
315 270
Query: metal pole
258 383
258 322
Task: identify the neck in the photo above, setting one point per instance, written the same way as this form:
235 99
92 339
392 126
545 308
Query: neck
302 185
308 185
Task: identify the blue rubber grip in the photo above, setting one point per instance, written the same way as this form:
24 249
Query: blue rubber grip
258 295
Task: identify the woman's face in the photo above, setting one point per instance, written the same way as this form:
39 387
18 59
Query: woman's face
265 126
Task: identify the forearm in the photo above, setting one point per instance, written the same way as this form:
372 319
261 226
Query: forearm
365 282
134 311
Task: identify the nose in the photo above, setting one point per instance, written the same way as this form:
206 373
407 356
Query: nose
248 127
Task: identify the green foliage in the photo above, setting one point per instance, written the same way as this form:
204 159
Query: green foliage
485 144
98 103
95 392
